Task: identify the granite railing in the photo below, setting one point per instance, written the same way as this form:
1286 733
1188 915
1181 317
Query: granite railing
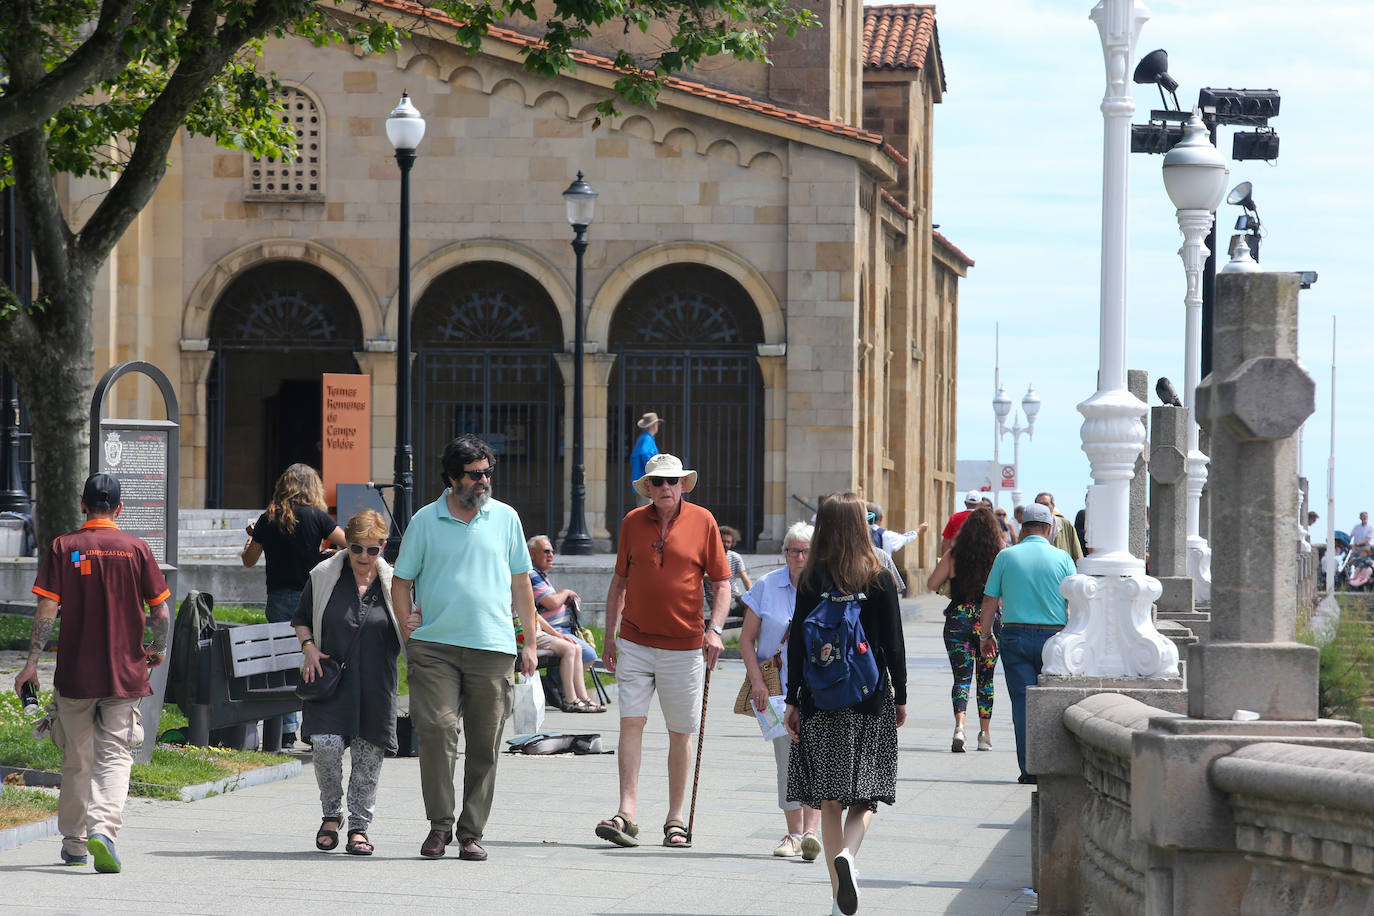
1273 827
1304 820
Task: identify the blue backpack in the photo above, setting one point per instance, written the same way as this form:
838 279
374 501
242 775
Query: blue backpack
840 670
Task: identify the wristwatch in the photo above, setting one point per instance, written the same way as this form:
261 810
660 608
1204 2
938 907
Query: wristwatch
719 631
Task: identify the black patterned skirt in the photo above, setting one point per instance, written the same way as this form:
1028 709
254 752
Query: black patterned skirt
847 757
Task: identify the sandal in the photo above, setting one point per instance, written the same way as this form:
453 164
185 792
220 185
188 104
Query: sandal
574 706
358 844
675 835
619 829
328 840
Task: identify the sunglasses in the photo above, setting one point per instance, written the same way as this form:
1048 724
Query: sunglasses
658 552
359 548
663 481
547 553
475 476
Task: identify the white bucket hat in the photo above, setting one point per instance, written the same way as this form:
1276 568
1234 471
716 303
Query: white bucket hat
665 466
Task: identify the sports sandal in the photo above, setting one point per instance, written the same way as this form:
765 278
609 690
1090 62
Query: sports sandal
675 835
619 829
358 844
328 840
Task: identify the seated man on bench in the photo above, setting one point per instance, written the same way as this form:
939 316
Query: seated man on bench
556 634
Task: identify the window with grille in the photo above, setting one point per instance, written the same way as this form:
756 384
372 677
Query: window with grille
301 177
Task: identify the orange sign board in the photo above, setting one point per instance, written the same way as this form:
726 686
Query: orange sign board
346 402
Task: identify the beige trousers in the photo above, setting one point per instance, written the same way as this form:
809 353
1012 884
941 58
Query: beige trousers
98 738
447 682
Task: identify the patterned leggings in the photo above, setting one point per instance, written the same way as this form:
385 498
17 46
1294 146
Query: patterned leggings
364 774
962 630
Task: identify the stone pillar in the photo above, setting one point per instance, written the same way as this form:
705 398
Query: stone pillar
1254 401
1138 383
1168 491
196 361
773 366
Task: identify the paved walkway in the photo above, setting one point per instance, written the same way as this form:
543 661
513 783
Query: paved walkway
957 841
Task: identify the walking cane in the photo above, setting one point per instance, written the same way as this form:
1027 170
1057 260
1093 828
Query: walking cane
701 733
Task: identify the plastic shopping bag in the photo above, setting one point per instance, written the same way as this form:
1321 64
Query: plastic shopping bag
528 704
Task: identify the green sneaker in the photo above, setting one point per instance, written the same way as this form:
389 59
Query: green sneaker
102 847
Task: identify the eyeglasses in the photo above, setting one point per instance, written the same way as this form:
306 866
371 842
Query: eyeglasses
663 481
658 551
477 475
797 551
359 548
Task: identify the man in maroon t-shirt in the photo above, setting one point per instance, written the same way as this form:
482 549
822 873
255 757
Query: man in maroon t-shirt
101 578
972 499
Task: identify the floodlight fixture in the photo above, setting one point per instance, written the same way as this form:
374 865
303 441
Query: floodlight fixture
1242 195
1239 106
1257 144
1306 278
1154 68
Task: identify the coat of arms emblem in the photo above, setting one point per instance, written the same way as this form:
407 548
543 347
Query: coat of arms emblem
114 449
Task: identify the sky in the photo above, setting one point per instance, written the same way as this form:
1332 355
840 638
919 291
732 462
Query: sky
1018 187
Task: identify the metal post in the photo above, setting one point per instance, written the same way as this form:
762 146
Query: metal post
13 498
577 541
404 464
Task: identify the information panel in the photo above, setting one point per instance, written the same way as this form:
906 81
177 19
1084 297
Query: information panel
138 457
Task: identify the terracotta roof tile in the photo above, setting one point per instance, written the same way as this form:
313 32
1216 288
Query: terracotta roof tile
954 249
509 36
898 36
896 205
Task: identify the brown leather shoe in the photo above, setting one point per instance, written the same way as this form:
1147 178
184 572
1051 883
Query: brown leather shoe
472 851
433 846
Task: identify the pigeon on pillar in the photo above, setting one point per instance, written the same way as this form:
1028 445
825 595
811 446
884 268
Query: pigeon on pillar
1165 389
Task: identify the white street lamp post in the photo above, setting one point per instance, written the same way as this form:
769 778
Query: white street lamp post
1111 630
1195 177
1030 406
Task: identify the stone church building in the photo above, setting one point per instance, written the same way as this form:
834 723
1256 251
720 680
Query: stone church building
762 272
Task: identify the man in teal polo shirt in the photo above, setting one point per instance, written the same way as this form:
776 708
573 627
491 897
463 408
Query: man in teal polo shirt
464 556
1026 579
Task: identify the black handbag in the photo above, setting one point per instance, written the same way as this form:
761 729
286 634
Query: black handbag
331 673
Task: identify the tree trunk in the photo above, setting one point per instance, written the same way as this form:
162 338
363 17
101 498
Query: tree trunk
56 378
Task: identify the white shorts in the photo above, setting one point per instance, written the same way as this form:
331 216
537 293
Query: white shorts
677 675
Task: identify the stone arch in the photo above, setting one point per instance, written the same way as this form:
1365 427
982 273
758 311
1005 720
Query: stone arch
613 290
682 139
466 78
438 263
638 126
724 149
554 102
195 320
422 65
767 163
510 89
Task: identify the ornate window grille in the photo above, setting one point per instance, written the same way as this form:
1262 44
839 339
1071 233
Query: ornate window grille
298 178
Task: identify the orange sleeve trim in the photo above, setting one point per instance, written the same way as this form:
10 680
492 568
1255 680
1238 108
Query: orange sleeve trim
166 593
44 593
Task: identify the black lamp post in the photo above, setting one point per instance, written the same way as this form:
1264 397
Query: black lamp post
405 129
581 201
13 498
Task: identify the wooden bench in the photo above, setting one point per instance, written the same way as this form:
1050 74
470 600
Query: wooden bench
247 673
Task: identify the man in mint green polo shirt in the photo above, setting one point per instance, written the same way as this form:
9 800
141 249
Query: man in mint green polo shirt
1025 578
464 558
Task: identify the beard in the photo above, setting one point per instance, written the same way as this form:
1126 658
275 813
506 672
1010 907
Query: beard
469 497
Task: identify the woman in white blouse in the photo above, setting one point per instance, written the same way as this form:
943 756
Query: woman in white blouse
768 615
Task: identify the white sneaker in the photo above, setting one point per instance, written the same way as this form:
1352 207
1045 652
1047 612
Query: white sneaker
957 745
847 883
810 847
788 848
984 741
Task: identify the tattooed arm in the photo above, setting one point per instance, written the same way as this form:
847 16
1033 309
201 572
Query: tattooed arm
160 622
43 620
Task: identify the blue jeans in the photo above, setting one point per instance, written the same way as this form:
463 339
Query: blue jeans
281 607
1022 657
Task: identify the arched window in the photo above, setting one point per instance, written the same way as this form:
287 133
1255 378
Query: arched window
299 178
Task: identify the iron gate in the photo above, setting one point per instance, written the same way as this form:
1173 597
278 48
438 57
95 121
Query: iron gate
711 403
513 399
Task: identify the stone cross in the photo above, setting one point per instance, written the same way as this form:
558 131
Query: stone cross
1252 404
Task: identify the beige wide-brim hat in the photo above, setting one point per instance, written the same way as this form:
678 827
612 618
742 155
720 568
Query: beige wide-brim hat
649 419
665 466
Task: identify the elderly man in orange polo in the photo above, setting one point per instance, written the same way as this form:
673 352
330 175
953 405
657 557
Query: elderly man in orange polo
655 638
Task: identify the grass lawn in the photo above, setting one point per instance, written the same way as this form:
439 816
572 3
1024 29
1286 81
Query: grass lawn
24 806
15 630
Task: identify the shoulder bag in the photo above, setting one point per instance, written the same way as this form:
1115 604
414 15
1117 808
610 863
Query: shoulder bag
331 673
